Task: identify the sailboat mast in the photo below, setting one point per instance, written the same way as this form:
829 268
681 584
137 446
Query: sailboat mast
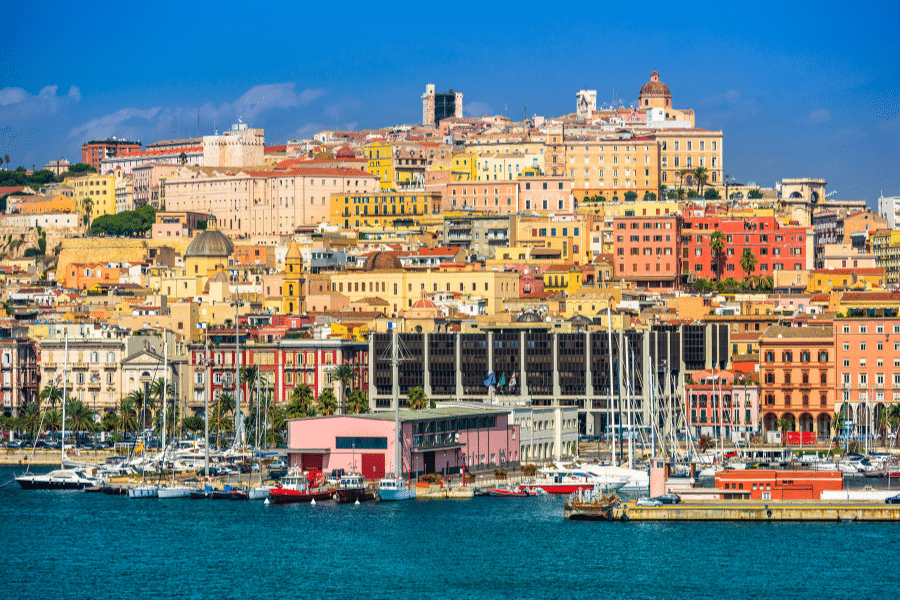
237 366
165 399
395 392
206 410
62 444
611 414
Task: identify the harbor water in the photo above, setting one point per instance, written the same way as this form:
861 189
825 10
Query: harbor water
75 545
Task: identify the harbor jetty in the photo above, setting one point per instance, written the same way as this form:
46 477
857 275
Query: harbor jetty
738 510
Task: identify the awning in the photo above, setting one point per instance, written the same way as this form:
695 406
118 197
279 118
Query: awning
438 448
309 450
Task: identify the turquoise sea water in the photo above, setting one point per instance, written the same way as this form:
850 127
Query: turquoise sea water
74 545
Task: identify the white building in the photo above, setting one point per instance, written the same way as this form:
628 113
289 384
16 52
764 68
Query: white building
889 208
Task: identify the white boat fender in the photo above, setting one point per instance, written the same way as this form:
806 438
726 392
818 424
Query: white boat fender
356 503
313 503
266 502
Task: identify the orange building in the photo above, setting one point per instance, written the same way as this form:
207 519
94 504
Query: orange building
647 250
796 366
780 485
85 275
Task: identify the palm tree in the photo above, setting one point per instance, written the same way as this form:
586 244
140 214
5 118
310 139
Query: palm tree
81 418
701 174
327 404
29 419
783 424
224 405
681 192
88 205
221 422
358 402
300 404
53 420
748 261
277 426
51 394
681 175
837 422
141 402
717 246
127 417
416 399
346 375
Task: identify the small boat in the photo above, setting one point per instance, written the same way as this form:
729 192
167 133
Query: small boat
200 495
295 487
352 488
393 488
114 490
260 492
144 491
175 491
506 492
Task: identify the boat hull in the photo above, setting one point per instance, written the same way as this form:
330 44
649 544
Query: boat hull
396 495
175 492
502 493
259 493
284 496
29 483
143 492
560 489
352 495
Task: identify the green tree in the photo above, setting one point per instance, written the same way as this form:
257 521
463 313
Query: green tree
755 194
81 418
357 402
681 193
193 424
702 286
701 174
630 196
300 404
416 399
784 424
346 375
29 419
717 247
711 194
6 158
110 422
649 197
53 420
681 175
748 261
142 403
327 404
128 419
183 158
224 406
87 206
51 394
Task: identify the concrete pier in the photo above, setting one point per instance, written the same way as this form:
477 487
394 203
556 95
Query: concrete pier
740 510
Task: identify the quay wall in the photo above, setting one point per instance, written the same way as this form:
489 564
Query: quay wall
734 510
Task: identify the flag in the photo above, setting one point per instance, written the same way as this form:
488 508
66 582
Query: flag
502 380
512 382
139 447
490 380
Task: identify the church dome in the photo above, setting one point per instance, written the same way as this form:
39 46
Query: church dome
655 88
424 303
529 317
324 156
212 243
345 152
382 261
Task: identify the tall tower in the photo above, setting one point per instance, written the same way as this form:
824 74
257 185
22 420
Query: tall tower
293 296
428 105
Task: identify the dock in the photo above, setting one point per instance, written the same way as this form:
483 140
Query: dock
741 510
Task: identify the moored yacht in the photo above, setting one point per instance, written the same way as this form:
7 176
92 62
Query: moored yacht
58 479
352 488
394 488
295 487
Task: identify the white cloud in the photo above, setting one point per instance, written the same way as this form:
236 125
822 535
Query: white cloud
727 106
108 124
817 117
17 104
473 108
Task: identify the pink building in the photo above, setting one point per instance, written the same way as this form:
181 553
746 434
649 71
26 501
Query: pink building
722 404
647 250
438 440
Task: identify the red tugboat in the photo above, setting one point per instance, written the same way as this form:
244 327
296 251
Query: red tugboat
300 487
352 488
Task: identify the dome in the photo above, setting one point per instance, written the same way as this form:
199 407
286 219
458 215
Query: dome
324 156
529 317
382 261
212 243
655 88
424 303
345 152
293 253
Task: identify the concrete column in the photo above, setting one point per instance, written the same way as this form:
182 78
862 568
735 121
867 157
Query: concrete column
372 389
588 386
426 365
524 386
459 384
557 390
647 391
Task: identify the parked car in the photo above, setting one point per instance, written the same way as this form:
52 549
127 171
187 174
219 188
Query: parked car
892 499
669 498
648 502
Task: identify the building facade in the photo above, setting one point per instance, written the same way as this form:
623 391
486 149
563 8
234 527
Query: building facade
94 152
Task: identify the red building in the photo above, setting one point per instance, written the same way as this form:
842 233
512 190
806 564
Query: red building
780 485
646 250
95 151
282 365
775 247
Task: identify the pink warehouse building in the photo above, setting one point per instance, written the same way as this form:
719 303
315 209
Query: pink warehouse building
438 440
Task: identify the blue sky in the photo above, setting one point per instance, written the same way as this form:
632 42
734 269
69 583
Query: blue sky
799 89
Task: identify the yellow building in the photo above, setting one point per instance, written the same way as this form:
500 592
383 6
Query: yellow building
464 166
94 194
886 248
381 163
39 205
562 239
565 278
828 280
384 277
613 168
352 211
506 167
685 150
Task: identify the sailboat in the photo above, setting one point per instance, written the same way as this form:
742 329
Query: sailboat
153 490
260 491
62 478
393 488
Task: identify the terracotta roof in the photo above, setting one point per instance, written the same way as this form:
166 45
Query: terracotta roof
779 331
176 151
313 172
871 296
875 271
271 149
11 190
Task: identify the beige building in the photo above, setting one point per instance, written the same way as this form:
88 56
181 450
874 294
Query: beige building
612 167
384 277
94 195
249 203
687 150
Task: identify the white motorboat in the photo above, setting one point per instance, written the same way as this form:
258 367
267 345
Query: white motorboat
394 488
144 491
175 491
58 479
260 492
